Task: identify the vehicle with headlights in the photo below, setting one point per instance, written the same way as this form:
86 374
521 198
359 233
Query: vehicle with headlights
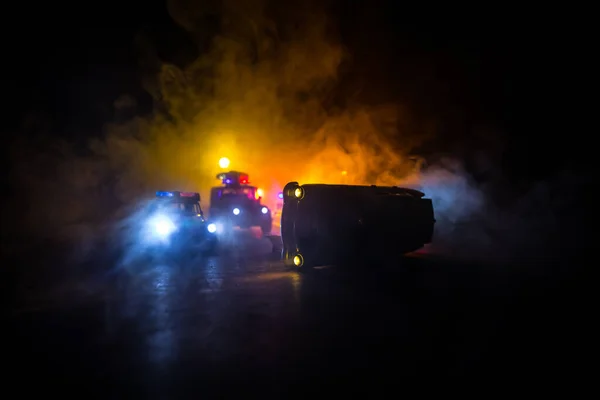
238 204
335 224
175 219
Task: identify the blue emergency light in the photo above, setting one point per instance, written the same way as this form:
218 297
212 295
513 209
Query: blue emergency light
234 178
280 195
177 194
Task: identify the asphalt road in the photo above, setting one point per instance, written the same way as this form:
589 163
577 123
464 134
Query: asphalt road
163 328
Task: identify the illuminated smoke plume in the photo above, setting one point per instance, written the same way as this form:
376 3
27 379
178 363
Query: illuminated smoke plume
259 95
256 96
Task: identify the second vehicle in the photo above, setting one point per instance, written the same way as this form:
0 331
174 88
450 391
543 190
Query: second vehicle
238 204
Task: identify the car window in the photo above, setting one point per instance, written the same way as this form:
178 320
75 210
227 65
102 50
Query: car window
190 208
248 192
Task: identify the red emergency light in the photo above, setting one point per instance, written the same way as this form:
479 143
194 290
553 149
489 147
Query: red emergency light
233 178
195 196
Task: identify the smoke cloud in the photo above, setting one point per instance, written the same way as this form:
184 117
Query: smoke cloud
260 94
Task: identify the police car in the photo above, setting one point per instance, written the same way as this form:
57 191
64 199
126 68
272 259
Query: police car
176 219
238 204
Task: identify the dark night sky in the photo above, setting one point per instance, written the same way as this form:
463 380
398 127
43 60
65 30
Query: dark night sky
469 66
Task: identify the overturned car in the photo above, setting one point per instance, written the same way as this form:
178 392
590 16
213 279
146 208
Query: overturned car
332 224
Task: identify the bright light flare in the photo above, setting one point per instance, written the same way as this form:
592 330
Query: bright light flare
264 210
162 226
212 228
224 162
236 211
298 260
260 192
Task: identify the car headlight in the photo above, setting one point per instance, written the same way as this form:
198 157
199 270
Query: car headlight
298 260
236 211
264 210
212 228
163 226
299 193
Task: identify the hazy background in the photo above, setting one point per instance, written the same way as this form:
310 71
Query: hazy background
113 103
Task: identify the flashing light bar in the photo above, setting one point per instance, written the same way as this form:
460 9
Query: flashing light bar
233 177
178 194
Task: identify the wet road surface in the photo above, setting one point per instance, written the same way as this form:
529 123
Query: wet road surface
163 328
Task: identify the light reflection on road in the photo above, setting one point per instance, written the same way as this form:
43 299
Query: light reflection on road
162 296
158 322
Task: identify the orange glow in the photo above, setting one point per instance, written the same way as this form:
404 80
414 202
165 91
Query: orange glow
259 193
270 117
